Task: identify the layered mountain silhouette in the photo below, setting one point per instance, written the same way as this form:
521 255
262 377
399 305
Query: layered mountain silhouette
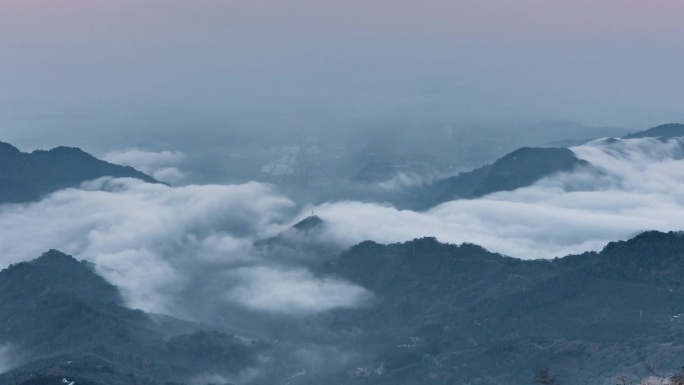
443 314
63 321
520 168
664 131
450 314
26 177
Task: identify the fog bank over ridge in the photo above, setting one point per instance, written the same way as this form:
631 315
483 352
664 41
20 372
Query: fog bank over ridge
164 245
634 185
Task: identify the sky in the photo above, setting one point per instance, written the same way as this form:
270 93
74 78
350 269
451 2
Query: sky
107 75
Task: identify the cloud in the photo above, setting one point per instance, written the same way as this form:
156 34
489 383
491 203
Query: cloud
165 247
402 181
160 244
160 165
7 358
638 186
293 291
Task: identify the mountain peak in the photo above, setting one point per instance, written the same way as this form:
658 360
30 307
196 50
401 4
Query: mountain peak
309 223
519 168
52 257
63 149
6 148
57 270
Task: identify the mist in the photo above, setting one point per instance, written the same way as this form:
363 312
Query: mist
179 76
8 358
257 114
159 165
166 246
159 245
633 185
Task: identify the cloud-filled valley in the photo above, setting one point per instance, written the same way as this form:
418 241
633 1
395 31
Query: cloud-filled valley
255 192
633 186
154 241
163 245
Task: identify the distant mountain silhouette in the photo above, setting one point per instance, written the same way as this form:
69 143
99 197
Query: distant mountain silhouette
68 322
26 177
520 168
665 131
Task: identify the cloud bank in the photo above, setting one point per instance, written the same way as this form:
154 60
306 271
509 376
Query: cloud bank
165 247
162 166
157 243
295 291
636 185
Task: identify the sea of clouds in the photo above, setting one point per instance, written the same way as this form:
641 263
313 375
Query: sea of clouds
159 243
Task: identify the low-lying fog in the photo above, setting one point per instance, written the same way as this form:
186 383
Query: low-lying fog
165 245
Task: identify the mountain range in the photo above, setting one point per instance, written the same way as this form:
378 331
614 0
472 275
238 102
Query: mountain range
26 177
65 321
460 314
441 313
520 168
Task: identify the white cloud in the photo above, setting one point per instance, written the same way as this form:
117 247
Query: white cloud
403 180
162 244
293 291
147 239
158 244
639 186
162 166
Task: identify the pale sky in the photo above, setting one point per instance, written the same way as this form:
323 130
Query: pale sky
75 68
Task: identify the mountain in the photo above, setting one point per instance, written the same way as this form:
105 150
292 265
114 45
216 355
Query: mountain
442 314
25 177
665 131
517 169
450 314
65 321
302 243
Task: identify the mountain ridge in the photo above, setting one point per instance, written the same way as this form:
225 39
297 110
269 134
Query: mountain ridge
67 321
516 169
610 306
663 131
437 305
26 177
519 168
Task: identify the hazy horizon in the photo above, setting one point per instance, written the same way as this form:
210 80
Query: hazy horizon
96 74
